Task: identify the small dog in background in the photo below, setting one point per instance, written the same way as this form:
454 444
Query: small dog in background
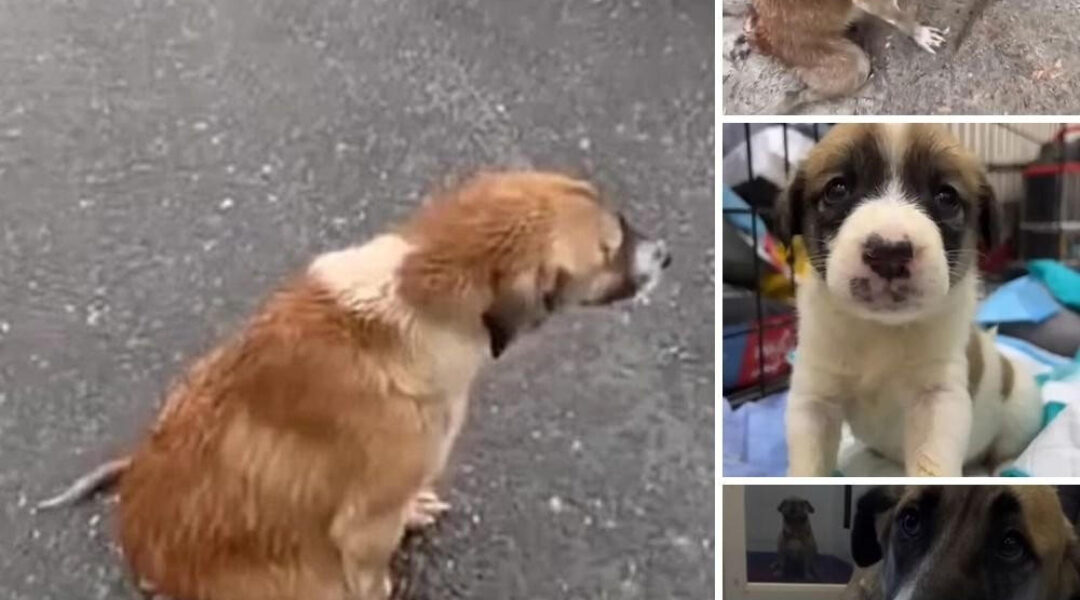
796 548
964 543
811 36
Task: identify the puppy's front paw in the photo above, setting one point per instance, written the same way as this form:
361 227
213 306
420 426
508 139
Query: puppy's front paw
424 509
930 38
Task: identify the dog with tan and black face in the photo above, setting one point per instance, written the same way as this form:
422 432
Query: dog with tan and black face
796 548
966 543
892 215
288 462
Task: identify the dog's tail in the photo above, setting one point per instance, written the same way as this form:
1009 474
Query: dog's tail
105 475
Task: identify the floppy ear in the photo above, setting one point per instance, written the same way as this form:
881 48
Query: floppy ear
990 217
809 507
1070 570
783 503
865 545
789 208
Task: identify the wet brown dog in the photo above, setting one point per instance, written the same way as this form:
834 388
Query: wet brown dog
289 462
811 36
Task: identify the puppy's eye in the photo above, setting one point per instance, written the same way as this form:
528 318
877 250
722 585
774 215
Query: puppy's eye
947 199
837 190
910 522
1011 548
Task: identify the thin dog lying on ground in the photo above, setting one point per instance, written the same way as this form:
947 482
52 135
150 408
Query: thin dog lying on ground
811 37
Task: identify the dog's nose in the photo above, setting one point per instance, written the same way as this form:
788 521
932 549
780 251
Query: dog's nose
662 255
888 259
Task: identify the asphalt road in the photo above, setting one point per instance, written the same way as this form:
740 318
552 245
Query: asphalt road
164 163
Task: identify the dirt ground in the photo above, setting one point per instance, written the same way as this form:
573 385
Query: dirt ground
163 164
1002 57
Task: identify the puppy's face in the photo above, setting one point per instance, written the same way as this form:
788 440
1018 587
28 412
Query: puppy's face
526 244
967 543
795 510
891 215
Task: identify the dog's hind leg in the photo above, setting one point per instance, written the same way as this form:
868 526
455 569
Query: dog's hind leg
367 542
838 68
928 38
1022 413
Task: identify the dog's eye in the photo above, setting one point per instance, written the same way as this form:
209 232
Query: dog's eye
836 190
947 198
1011 548
910 522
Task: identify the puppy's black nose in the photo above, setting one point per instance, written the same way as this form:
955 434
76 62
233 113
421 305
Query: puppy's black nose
888 259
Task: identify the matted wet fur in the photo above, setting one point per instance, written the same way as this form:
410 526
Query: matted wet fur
811 37
289 461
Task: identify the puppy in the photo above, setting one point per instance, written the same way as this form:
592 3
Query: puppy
811 36
967 543
890 215
289 461
796 548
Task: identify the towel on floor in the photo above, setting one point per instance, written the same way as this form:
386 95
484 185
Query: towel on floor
754 442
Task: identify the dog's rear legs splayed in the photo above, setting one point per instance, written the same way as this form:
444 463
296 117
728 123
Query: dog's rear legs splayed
840 70
928 38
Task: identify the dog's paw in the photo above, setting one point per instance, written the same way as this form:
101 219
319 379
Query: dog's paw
930 38
741 49
424 510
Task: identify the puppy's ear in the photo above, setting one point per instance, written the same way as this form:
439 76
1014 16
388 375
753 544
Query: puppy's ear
783 503
809 507
865 545
789 208
990 215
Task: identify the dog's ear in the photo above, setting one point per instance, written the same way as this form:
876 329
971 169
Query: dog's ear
865 545
783 503
789 208
809 507
990 215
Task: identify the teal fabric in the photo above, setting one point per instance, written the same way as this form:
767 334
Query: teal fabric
1014 472
1063 282
1051 410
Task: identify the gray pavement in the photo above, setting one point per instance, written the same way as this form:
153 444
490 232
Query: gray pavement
1002 57
163 163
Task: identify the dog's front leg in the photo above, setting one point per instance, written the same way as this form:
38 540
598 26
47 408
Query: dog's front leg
928 38
937 430
813 434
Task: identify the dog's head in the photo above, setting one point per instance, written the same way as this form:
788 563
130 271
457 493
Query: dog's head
515 247
968 543
891 215
795 510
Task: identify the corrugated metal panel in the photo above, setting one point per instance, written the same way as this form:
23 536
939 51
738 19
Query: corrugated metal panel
1005 143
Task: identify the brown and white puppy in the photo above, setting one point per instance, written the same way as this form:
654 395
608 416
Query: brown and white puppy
891 215
967 543
289 461
796 548
811 37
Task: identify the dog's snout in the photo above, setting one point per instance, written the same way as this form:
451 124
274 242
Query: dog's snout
888 259
662 254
